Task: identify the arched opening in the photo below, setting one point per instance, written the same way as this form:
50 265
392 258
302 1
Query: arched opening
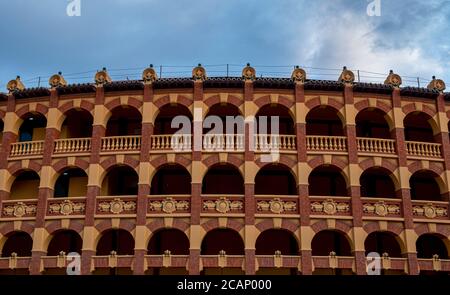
329 243
275 179
223 179
169 239
227 113
424 186
118 240
265 114
18 242
376 182
124 121
372 123
33 127
273 242
25 186
327 180
119 181
72 182
122 243
428 245
325 121
165 116
383 242
78 124
66 241
418 128
171 179
222 239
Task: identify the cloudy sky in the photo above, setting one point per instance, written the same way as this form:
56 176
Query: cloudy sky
38 38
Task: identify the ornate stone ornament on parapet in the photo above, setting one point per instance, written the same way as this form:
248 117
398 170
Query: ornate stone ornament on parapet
19 209
199 73
66 207
223 205
347 77
381 208
248 73
57 80
436 84
276 206
330 207
149 75
15 85
393 79
430 211
169 205
298 75
102 77
117 206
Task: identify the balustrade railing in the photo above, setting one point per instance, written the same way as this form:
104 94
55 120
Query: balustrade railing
121 143
175 142
266 142
223 142
326 143
423 149
27 148
376 145
72 145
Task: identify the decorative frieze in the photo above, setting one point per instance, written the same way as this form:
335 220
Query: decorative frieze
66 207
117 206
430 211
223 205
330 207
19 209
169 205
381 208
276 205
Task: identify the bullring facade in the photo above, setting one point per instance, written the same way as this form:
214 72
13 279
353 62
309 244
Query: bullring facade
90 168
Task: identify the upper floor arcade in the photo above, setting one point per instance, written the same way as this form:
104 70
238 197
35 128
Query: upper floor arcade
221 114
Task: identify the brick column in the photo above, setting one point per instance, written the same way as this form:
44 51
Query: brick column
249 186
354 189
196 186
144 181
9 136
303 194
93 188
443 138
45 188
398 133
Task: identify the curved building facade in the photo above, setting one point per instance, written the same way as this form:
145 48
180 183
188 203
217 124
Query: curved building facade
98 169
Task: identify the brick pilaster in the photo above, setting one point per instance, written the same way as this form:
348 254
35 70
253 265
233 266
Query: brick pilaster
93 188
354 189
196 186
404 193
144 177
302 158
45 187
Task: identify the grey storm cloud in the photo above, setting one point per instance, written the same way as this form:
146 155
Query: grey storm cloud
39 39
